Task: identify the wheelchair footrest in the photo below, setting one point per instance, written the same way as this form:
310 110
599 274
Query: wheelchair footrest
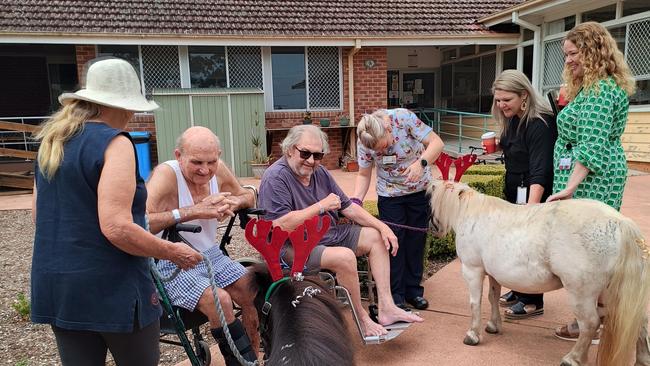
394 330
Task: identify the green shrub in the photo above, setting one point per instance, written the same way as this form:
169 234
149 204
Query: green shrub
371 207
492 185
437 248
22 362
486 169
22 306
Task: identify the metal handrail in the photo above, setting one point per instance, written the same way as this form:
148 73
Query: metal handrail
460 138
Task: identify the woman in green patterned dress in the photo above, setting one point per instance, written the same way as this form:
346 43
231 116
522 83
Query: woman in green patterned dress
588 157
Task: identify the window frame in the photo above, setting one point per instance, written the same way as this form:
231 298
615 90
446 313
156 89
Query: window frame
267 68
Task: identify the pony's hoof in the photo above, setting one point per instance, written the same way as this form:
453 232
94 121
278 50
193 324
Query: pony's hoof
471 340
491 328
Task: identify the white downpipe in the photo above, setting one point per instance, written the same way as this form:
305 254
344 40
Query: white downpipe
353 134
354 51
537 45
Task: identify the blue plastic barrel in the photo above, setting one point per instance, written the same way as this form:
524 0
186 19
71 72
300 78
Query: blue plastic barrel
143 152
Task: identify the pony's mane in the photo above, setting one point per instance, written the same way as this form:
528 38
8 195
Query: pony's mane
450 200
314 332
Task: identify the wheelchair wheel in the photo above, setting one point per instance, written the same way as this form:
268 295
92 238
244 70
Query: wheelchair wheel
203 353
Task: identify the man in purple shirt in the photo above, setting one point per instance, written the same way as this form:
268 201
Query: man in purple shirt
296 188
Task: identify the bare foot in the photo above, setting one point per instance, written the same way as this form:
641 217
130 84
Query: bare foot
395 314
370 328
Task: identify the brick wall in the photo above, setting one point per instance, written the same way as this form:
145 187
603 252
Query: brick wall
281 122
84 53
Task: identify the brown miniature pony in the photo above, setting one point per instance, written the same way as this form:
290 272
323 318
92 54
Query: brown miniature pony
300 320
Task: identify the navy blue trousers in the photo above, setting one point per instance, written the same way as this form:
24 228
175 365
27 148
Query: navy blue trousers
407 266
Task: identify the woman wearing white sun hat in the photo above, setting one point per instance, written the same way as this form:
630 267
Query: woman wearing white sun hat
90 275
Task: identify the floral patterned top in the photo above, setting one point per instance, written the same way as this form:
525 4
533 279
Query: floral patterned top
409 132
589 131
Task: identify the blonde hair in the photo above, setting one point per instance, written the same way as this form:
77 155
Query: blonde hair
599 57
371 128
64 124
514 81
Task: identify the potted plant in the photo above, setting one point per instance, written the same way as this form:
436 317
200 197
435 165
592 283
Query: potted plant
324 122
306 118
344 120
350 163
260 160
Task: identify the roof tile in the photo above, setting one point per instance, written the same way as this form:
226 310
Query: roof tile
343 18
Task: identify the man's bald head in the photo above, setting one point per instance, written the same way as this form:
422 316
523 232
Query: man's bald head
198 137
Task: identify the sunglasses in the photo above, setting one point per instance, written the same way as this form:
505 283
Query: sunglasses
306 154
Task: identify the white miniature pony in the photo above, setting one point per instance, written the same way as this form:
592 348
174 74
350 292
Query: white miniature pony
584 245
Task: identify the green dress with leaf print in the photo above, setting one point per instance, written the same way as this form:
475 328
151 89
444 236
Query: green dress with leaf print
589 131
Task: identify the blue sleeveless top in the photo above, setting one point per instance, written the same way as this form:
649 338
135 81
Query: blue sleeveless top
80 281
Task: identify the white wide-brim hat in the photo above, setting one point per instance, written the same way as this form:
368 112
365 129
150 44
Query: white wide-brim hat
112 83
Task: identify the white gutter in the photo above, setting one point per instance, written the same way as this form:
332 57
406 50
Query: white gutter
525 8
537 45
184 40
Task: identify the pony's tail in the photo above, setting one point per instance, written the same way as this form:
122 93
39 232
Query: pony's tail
627 298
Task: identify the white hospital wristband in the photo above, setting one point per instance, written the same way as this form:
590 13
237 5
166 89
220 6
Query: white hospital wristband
177 215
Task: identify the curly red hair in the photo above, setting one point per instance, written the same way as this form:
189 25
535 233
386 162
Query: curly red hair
600 58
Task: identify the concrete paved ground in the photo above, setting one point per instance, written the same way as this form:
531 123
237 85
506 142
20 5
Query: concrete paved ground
438 341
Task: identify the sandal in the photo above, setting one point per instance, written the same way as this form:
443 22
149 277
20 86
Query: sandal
523 311
508 299
571 332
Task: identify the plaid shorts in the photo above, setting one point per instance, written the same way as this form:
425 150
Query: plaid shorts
186 288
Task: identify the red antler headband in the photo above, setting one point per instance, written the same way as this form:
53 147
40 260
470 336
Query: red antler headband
302 242
462 163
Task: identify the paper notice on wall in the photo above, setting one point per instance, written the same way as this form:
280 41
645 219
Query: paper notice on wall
394 86
407 99
418 91
393 94
418 84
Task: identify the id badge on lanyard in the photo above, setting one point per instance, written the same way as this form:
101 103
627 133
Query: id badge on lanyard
521 195
389 159
565 160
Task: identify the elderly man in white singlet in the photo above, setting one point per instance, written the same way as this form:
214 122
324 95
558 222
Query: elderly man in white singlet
197 188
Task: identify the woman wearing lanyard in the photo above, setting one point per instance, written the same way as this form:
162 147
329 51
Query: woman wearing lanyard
589 158
402 148
527 138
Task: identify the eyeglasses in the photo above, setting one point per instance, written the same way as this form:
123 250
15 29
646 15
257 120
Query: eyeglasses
306 154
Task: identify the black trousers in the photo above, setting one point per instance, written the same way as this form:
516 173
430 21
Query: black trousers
407 266
512 182
86 348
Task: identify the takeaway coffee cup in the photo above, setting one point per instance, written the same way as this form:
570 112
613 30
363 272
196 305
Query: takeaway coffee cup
489 142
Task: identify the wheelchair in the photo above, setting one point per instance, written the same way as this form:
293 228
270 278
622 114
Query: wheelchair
179 321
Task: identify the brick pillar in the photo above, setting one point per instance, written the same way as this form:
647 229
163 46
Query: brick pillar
85 53
370 85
